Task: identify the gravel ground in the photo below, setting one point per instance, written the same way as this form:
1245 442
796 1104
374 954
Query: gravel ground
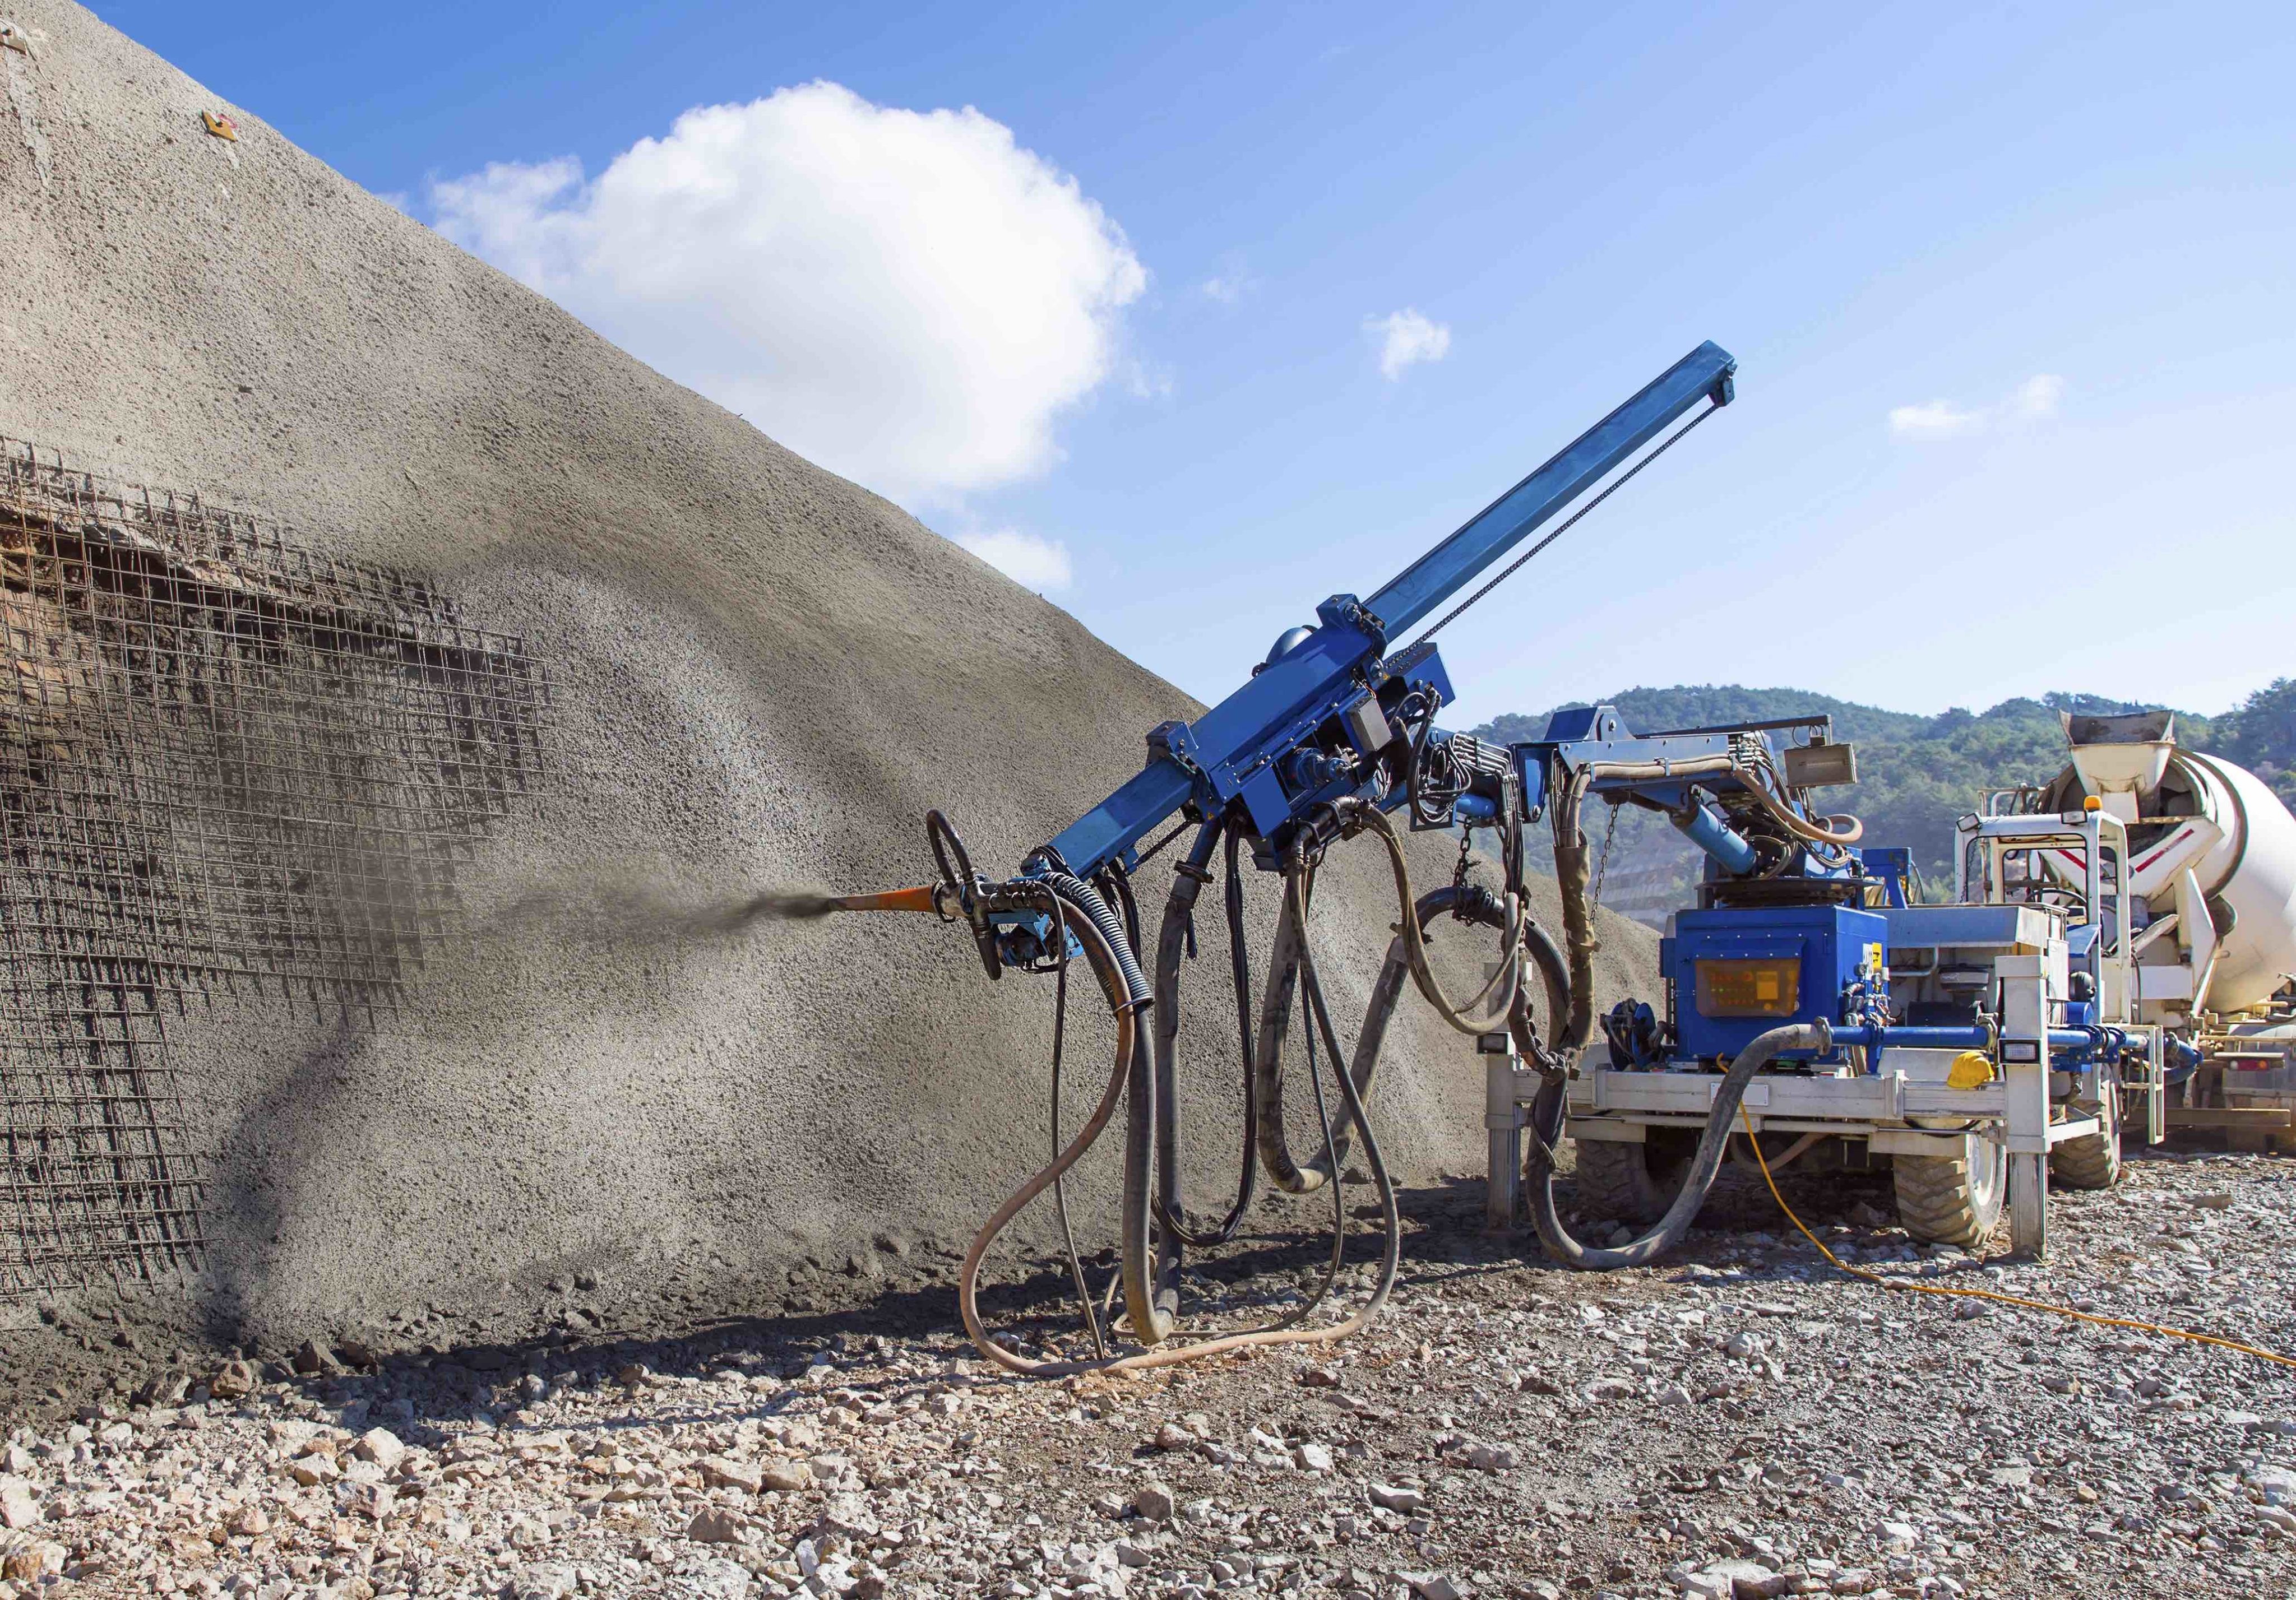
1739 1420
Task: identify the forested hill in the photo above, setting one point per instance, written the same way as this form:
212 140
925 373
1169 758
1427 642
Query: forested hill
1918 772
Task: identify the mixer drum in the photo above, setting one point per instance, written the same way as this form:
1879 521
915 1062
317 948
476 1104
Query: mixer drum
2246 876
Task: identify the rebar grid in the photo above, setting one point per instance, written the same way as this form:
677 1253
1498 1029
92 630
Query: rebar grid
224 759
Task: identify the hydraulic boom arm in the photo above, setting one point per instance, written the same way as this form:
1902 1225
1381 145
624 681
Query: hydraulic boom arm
1312 724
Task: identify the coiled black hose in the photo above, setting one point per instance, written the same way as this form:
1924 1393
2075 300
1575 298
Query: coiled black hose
1547 1126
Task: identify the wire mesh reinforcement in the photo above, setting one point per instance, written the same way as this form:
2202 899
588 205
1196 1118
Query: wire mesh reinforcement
225 760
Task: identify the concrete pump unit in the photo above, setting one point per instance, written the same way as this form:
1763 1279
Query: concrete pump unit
2107 932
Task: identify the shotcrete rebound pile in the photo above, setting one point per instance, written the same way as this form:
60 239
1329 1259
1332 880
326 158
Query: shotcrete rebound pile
760 675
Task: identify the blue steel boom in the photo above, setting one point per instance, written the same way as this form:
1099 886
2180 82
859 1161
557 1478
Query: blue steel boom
1337 688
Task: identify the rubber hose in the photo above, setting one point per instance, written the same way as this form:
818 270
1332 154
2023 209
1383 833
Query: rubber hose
1570 876
1187 883
1296 880
1092 933
1136 1243
1555 974
1547 1127
1800 827
1483 909
1238 957
1390 1251
1284 968
1087 900
1275 1009
1107 958
1421 973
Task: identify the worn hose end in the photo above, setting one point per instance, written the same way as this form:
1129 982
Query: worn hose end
925 897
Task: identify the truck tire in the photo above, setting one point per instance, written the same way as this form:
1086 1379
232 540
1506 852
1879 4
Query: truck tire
1632 1183
1943 1201
2093 1160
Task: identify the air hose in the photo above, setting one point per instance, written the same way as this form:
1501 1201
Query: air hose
1408 927
1468 903
1100 934
1547 1127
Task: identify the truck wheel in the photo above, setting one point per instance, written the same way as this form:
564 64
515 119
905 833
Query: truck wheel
2093 1160
1945 1200
1632 1183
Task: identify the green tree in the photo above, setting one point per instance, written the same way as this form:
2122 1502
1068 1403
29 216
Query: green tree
2259 733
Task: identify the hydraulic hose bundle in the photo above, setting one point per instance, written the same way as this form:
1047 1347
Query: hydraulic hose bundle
1570 994
1063 916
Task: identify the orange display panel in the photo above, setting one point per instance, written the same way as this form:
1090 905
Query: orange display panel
1752 986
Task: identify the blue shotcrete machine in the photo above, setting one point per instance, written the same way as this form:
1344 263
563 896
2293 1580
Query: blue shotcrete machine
1331 738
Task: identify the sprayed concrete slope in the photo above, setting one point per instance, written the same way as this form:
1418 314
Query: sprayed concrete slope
761 674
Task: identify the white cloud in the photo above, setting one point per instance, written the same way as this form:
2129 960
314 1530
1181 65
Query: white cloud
1146 380
2039 394
1406 338
2034 400
910 299
1229 287
1031 562
1935 420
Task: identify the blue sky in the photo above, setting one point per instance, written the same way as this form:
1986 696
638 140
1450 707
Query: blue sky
2058 243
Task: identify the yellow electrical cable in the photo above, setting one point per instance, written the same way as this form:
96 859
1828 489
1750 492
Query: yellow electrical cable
2015 1300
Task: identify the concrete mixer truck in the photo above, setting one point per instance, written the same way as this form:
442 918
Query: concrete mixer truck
2212 893
2117 931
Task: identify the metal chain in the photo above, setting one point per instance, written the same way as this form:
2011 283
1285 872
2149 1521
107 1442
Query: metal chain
1594 899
